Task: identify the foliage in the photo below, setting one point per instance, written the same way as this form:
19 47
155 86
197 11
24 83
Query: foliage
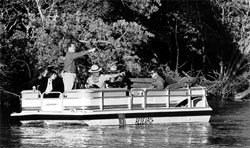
37 34
208 36
225 87
143 7
234 16
115 42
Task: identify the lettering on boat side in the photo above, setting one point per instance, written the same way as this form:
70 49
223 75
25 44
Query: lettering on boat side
122 119
144 121
48 104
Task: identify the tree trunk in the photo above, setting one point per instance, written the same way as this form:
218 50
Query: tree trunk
177 48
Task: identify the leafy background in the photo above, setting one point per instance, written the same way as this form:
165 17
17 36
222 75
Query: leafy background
208 38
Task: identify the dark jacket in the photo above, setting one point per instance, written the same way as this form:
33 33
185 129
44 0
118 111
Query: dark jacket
57 85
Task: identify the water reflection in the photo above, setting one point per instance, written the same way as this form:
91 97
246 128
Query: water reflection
8 138
229 127
40 135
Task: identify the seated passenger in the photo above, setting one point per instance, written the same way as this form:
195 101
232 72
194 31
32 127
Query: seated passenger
51 83
158 81
115 82
56 81
97 80
38 77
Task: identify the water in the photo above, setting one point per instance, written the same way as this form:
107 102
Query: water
229 127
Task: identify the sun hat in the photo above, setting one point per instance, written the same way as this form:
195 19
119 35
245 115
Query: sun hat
95 68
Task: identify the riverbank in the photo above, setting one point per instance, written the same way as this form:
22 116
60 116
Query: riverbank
8 104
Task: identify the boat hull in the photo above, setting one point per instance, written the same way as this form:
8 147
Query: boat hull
121 118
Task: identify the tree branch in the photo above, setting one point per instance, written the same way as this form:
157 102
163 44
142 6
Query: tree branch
40 12
122 35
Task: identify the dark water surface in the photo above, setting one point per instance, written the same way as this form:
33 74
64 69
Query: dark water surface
228 127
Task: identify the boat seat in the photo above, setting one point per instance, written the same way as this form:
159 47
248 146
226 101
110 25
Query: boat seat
31 100
197 102
30 94
140 82
177 85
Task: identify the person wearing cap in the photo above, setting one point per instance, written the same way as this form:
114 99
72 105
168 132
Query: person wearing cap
97 80
69 75
115 81
158 81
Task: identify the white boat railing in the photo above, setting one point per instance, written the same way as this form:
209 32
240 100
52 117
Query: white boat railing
108 93
143 97
188 93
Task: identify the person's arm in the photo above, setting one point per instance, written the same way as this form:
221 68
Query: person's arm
82 53
160 85
87 84
153 85
157 85
116 75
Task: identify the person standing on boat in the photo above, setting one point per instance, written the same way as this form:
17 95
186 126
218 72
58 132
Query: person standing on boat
69 75
158 81
97 80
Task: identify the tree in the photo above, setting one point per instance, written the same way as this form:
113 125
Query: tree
37 32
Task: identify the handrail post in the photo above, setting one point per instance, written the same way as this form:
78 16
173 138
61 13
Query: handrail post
42 101
145 99
61 96
189 98
130 101
168 99
102 101
204 100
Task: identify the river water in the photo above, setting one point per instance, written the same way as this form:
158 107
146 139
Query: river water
229 127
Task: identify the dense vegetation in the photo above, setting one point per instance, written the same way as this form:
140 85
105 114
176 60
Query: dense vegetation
208 39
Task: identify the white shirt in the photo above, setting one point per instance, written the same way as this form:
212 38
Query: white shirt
49 85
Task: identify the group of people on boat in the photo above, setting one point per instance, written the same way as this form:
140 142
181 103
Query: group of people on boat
49 80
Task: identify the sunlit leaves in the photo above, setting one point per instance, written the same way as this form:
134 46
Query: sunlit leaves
113 40
144 7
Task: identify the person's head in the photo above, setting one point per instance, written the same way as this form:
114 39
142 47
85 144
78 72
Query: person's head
44 72
71 47
52 75
154 73
95 70
41 72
